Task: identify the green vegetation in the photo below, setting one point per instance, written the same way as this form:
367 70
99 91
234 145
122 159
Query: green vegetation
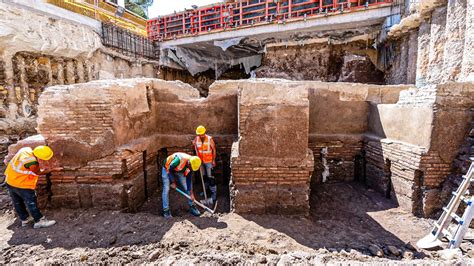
139 7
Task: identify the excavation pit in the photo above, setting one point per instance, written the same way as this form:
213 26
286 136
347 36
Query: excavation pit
281 139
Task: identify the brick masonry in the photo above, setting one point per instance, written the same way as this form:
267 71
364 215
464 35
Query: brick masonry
101 130
271 163
414 175
270 189
105 138
335 158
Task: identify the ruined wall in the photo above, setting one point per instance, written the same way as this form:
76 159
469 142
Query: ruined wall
50 51
349 62
438 37
271 163
338 121
444 56
107 136
338 124
409 160
402 55
288 137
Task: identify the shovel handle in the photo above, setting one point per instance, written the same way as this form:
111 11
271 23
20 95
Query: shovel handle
202 178
194 201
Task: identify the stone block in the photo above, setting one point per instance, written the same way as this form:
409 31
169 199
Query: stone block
273 122
65 195
109 196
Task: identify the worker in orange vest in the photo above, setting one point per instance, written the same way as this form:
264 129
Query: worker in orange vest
21 177
205 148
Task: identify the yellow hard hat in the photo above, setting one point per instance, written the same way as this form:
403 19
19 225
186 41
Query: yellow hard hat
200 130
43 152
195 162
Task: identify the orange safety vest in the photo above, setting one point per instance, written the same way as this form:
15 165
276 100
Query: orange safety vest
183 160
17 174
203 148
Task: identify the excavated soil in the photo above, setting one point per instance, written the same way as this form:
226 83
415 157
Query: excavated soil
346 223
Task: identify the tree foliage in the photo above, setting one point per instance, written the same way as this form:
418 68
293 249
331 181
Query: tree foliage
139 7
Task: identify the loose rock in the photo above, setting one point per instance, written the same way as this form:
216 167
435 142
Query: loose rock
154 255
376 251
408 255
395 251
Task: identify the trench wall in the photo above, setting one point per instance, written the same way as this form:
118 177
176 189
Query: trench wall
351 61
432 45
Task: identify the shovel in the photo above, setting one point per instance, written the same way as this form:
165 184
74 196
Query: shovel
202 179
197 202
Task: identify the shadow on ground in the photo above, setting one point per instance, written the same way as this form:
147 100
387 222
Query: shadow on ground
102 229
348 216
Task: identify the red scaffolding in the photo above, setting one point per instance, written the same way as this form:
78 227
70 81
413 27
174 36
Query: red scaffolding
242 13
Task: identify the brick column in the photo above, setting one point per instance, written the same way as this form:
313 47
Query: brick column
271 163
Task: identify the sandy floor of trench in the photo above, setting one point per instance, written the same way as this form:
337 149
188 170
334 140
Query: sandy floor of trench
346 220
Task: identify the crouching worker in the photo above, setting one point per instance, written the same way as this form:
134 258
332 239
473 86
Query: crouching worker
179 167
21 177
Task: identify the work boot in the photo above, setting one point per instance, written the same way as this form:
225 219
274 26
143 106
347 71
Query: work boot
26 222
43 223
194 211
167 214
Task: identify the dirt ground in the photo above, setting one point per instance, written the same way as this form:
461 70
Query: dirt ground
346 222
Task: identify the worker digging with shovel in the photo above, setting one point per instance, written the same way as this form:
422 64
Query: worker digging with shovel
179 166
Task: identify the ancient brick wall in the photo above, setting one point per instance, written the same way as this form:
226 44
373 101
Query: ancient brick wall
280 138
412 168
335 158
338 121
53 52
271 189
271 163
108 137
392 169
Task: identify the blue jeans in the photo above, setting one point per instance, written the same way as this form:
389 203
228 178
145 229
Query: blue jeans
21 197
209 180
207 169
182 181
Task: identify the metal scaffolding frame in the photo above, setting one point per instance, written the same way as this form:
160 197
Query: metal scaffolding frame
128 43
234 14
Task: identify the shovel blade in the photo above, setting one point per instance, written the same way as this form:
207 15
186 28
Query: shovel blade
429 241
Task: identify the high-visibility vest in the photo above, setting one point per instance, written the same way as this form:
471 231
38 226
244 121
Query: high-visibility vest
183 160
203 148
17 175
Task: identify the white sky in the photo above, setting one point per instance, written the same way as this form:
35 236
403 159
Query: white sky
165 7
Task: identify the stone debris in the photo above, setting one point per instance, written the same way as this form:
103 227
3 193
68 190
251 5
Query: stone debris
408 255
394 250
376 251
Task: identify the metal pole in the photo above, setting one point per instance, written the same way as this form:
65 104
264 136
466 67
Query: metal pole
289 8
